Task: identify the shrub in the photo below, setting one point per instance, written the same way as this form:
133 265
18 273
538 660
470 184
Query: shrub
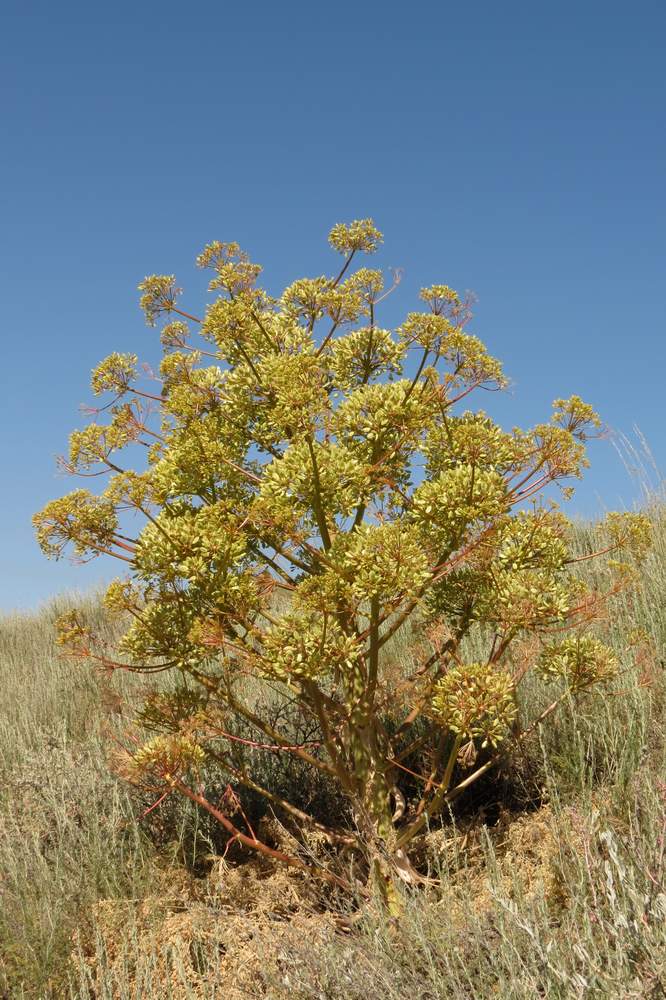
306 495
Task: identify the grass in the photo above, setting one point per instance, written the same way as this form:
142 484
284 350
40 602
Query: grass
67 836
564 899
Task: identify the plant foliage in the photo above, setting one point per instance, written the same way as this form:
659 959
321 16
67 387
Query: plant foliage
312 483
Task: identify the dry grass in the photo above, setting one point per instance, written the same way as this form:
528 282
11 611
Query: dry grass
564 900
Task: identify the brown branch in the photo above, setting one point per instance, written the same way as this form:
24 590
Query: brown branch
277 800
195 319
326 339
318 505
345 266
411 388
252 842
255 745
263 727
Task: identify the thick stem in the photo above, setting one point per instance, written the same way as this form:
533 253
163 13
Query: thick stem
318 506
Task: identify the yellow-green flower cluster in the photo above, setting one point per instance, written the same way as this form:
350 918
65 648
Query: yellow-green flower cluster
196 461
631 532
216 254
133 488
526 598
428 330
297 396
580 660
114 374
359 235
86 521
195 545
287 335
159 296
440 298
559 451
367 282
174 335
192 394
530 540
309 299
577 417
374 419
458 499
273 518
71 634
170 756
476 701
516 578
121 595
364 354
96 442
384 561
348 301
231 324
308 646
473 439
326 590
470 362
162 633
178 367
234 271
340 483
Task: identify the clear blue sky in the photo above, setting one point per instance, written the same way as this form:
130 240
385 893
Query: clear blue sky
516 149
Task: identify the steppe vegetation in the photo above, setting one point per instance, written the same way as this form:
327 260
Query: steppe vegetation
551 881
367 714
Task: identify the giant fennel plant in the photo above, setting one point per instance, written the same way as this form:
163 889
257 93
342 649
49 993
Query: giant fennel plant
309 484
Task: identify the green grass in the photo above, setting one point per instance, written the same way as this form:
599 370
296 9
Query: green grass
564 899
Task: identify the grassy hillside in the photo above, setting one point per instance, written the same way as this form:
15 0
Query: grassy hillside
558 891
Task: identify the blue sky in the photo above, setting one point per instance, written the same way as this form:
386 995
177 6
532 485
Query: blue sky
515 149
